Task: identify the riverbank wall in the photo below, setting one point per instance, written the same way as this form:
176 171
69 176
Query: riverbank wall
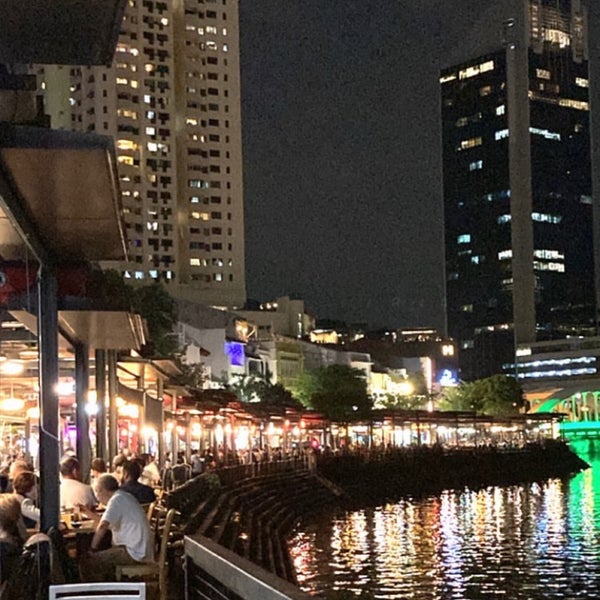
386 475
253 509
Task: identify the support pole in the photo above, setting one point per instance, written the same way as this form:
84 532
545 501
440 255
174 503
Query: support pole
82 422
101 420
49 451
113 416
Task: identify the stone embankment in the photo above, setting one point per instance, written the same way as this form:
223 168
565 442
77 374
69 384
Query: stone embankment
253 509
381 476
252 513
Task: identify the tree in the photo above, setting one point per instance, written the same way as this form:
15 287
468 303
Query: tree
152 302
496 395
340 393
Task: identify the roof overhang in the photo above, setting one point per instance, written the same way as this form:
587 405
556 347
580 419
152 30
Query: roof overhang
103 330
67 32
59 196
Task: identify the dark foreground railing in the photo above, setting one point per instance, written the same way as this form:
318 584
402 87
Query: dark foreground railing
215 573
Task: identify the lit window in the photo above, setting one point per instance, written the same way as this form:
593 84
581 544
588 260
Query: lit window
476 70
152 146
549 135
501 134
503 219
468 308
465 238
125 160
190 121
147 98
486 90
542 74
545 218
549 254
447 78
150 130
194 262
556 36
576 104
551 266
126 145
470 143
122 81
477 260
505 255
582 82
500 110
476 165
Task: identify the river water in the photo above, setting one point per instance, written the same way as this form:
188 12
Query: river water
533 541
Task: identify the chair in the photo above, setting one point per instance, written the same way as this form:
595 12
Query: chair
105 590
156 571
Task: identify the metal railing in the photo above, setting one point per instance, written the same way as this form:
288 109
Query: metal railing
214 573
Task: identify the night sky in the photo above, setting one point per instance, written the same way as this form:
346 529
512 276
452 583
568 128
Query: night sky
342 149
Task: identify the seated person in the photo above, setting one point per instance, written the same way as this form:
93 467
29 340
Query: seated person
131 534
117 466
150 472
73 492
98 468
12 534
26 491
16 467
131 471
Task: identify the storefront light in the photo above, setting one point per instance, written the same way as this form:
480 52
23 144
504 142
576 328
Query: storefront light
12 404
12 367
33 413
91 408
65 388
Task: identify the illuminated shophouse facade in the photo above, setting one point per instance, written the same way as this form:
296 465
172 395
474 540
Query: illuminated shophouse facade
517 189
171 101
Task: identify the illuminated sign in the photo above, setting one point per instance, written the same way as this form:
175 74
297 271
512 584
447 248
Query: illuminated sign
235 353
448 378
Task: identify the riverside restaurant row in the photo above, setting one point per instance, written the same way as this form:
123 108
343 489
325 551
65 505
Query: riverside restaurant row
221 425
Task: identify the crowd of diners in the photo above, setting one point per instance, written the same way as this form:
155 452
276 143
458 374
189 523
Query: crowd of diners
115 502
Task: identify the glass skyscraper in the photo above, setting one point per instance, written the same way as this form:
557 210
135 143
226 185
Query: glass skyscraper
517 188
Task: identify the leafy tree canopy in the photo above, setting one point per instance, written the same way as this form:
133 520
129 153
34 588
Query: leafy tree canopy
152 302
497 396
254 388
339 392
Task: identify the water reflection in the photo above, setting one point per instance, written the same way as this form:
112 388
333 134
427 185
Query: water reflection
539 540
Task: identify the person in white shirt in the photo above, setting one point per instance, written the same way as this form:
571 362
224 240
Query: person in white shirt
73 492
131 534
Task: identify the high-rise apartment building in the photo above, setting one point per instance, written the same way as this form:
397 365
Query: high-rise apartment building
517 188
171 101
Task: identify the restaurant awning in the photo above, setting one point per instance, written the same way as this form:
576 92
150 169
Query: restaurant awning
102 330
59 193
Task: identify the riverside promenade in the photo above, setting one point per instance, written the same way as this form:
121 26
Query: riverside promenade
251 510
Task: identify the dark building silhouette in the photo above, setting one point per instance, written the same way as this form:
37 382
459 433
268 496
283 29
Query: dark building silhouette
517 188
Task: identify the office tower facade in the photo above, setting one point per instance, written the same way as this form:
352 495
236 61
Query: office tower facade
517 188
171 101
